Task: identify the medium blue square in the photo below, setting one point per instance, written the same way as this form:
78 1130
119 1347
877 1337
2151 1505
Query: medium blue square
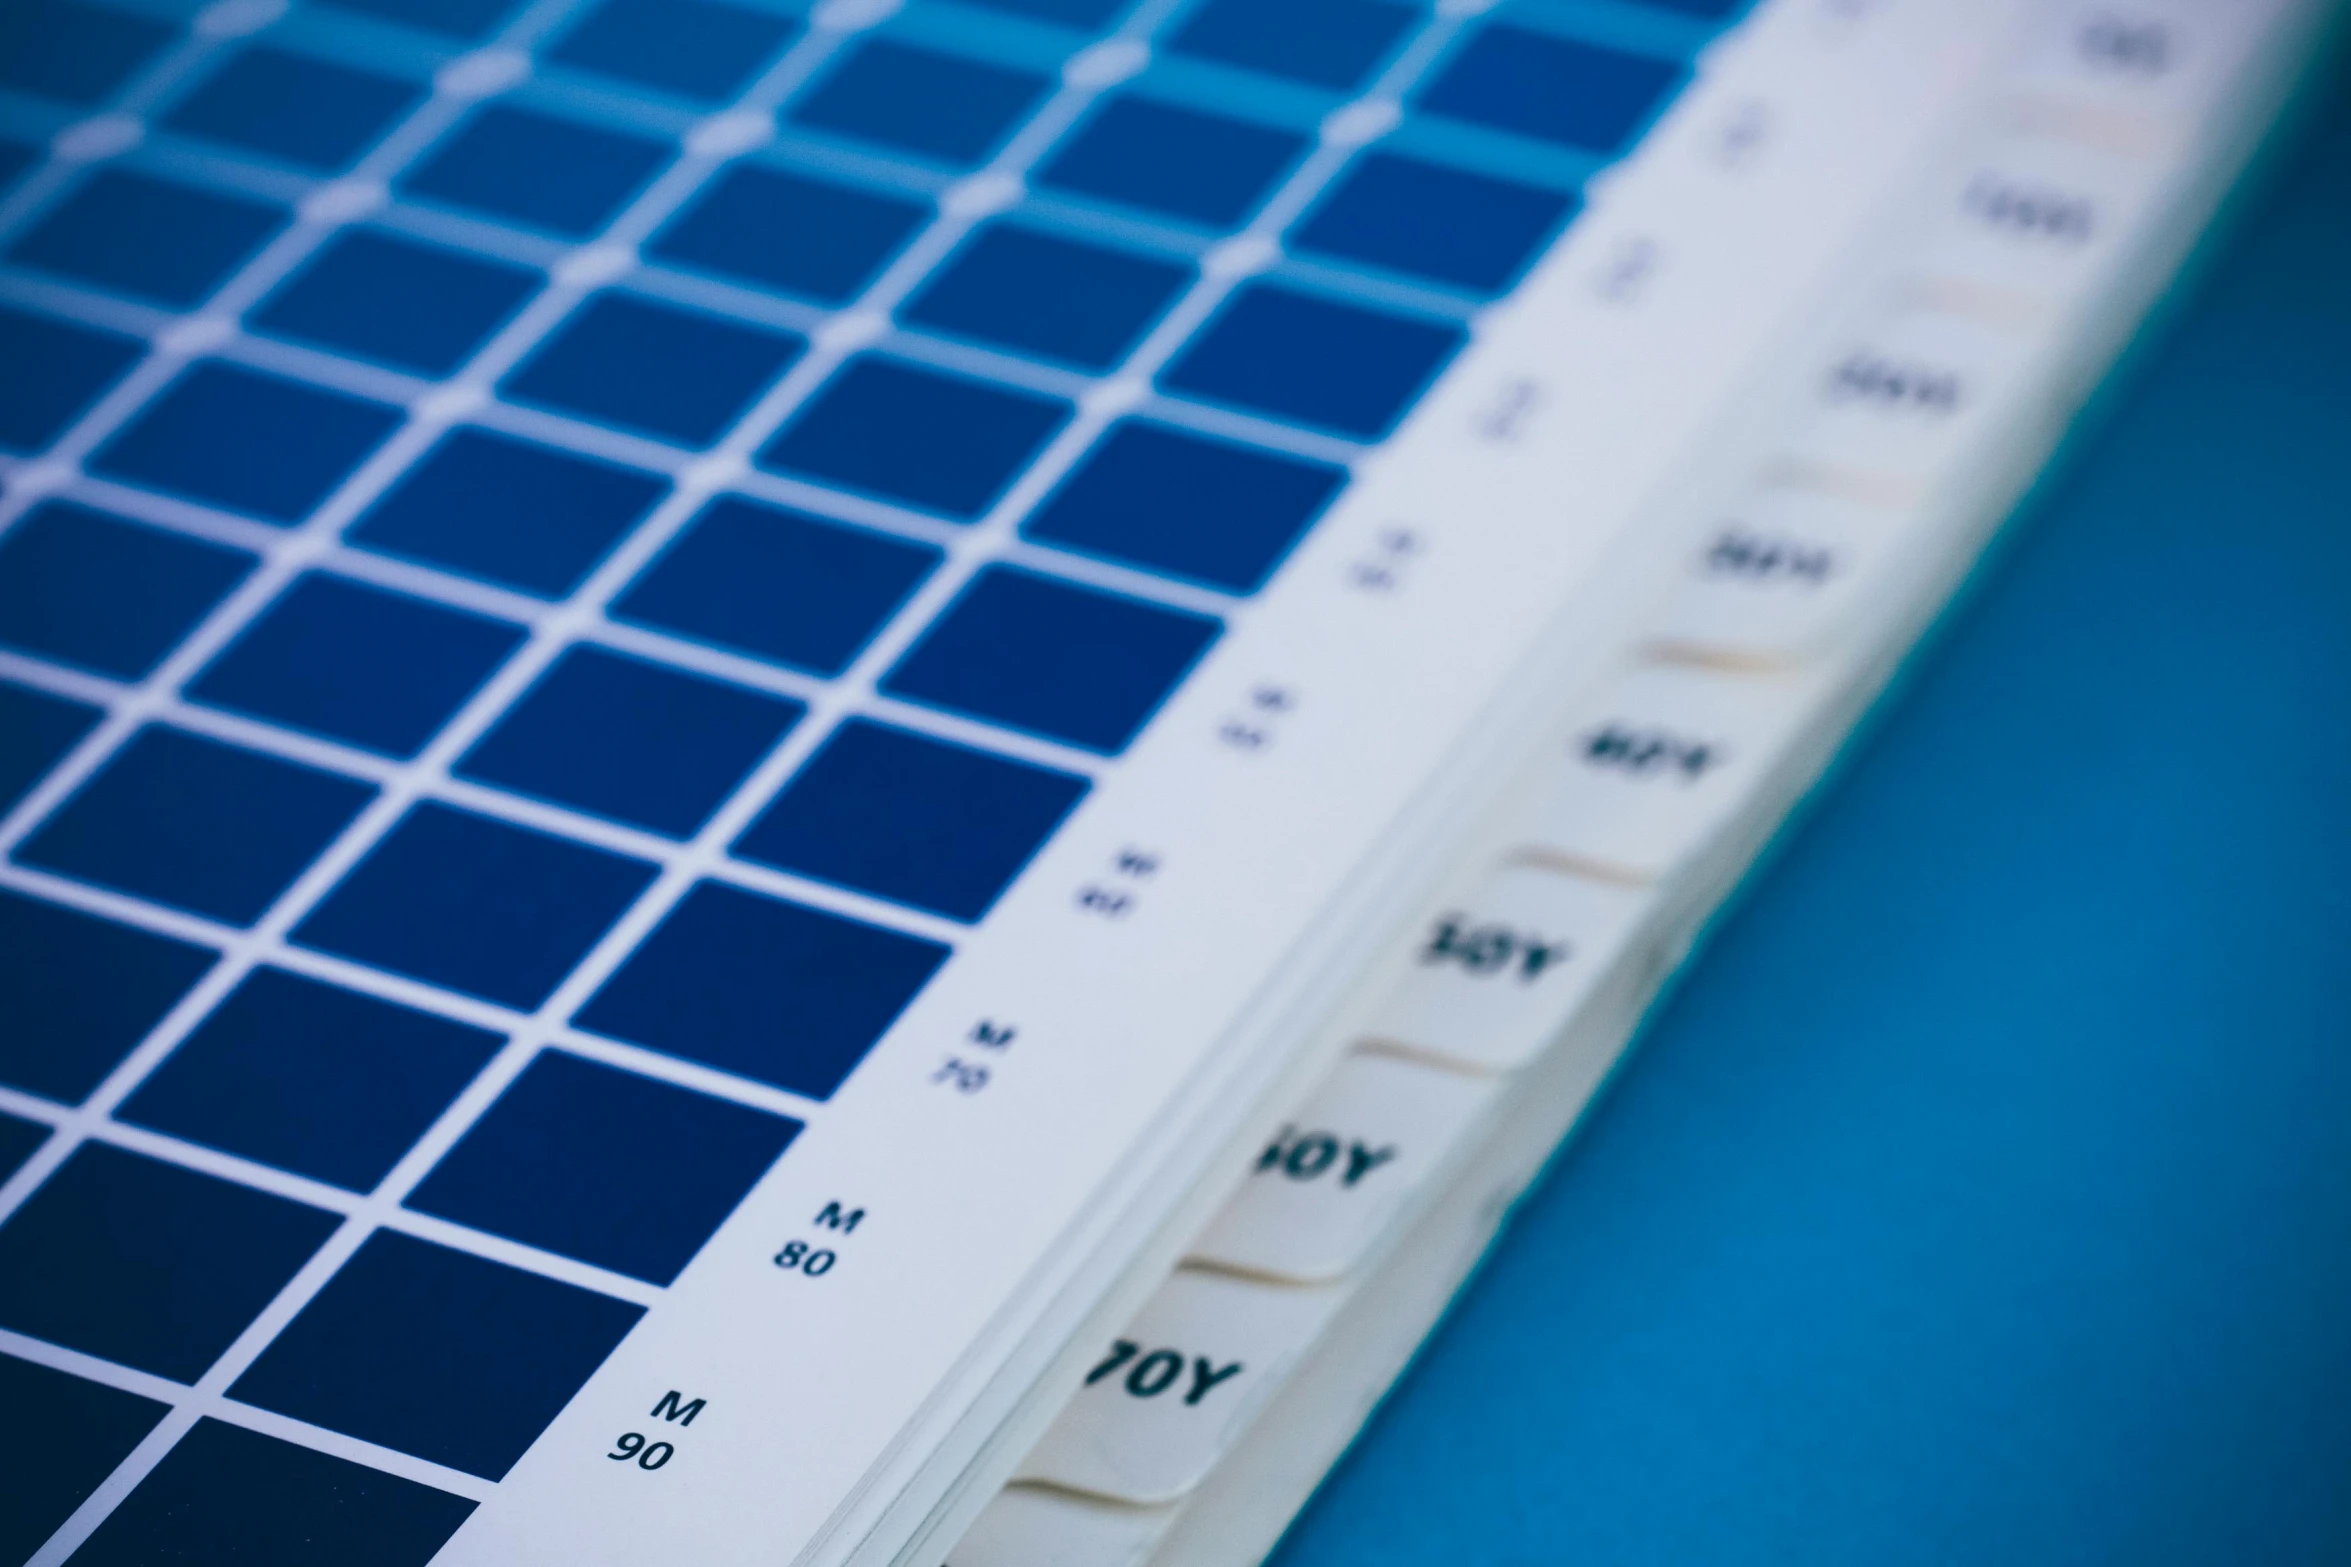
480 906
312 1078
785 231
148 237
409 305
1296 356
676 374
77 53
196 824
147 1264
558 1163
1056 297
919 821
1052 658
506 511
111 595
249 442
80 992
36 730
777 585
1201 167
923 437
917 100
772 991
1189 505
1088 14
1553 89
226 1495
1330 43
1447 224
689 47
639 742
53 1464
456 18
356 663
409 1331
539 170
56 372
289 106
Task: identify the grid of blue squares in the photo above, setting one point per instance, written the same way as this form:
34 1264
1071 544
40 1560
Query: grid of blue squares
694 670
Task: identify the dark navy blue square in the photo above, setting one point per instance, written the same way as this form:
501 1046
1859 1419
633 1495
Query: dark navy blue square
506 511
917 100
410 305
15 158
196 824
1295 356
493 910
56 371
80 992
785 231
942 827
1456 227
641 743
225 1494
1181 162
777 585
112 595
290 106
78 53
1056 297
456 18
689 47
1088 14
533 168
1188 505
409 1331
923 437
356 663
149 237
767 990
147 1264
558 1163
676 374
253 443
1052 658
36 730
311 1078
1330 43
1553 89
19 1141
56 1461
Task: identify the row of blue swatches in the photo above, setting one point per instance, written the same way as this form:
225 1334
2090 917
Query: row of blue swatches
158 1267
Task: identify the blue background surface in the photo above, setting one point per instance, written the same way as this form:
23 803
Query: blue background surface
1984 1193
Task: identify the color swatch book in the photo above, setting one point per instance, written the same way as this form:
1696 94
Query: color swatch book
853 783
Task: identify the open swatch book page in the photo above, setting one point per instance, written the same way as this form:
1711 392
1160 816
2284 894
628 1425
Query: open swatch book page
778 776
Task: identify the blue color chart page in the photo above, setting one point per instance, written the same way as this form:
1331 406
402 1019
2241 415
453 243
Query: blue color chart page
688 690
